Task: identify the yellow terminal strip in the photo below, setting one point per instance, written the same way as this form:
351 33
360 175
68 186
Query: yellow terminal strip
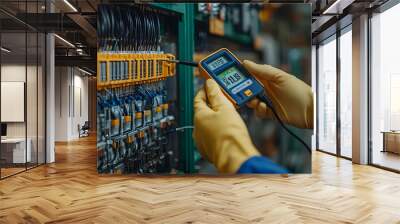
124 69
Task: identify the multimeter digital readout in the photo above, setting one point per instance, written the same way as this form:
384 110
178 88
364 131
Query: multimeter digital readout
236 82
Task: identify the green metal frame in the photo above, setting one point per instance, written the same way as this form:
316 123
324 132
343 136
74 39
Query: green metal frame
185 81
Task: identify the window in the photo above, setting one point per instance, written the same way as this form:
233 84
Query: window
314 86
385 89
327 96
346 92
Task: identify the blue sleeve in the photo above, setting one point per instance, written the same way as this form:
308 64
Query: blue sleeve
260 164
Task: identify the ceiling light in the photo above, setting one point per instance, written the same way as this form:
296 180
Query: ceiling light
5 50
70 5
329 9
65 41
84 71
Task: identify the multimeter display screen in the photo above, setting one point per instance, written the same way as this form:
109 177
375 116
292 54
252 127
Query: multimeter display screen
217 63
231 77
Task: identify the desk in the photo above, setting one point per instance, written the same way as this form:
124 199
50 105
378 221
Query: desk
391 141
13 150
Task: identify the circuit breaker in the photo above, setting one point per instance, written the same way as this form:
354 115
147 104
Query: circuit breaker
136 121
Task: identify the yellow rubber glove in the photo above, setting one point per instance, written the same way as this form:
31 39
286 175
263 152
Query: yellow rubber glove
292 98
219 132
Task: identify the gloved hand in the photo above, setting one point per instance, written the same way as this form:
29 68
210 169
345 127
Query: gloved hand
292 98
219 131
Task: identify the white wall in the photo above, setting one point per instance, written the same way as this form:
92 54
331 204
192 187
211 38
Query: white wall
61 103
33 127
71 102
81 83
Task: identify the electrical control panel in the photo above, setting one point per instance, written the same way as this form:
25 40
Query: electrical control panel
135 122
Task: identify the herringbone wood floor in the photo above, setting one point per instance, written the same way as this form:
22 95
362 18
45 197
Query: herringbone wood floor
70 191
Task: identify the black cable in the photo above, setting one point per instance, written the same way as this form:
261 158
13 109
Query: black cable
124 28
121 28
153 24
188 63
112 28
131 32
100 30
158 32
141 27
147 29
151 34
139 30
108 31
143 38
264 98
128 31
136 38
104 27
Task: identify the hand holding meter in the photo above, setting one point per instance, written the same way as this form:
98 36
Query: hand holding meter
235 81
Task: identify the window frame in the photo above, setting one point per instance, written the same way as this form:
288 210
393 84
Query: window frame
333 37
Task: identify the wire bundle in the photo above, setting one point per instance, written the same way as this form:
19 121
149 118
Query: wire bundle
134 130
135 125
128 28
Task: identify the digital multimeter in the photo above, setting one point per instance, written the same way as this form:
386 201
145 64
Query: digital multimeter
236 82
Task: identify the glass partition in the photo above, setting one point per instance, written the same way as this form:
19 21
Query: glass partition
14 153
22 78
